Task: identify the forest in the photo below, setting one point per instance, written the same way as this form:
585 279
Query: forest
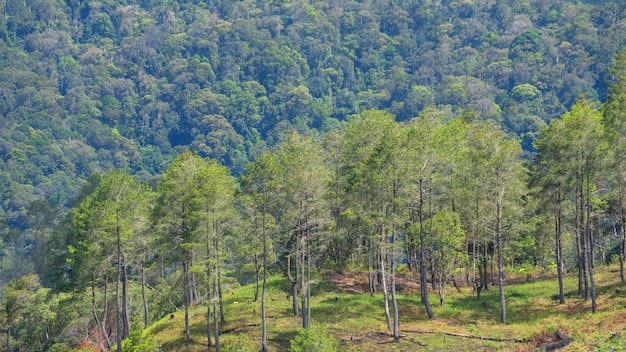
156 154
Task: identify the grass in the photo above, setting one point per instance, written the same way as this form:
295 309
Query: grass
358 320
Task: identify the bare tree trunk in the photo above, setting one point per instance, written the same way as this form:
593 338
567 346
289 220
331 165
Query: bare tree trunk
219 291
441 292
588 231
294 287
581 235
394 300
385 290
308 278
257 278
370 273
208 322
559 250
263 313
186 298
303 287
433 264
118 327
105 310
422 255
208 287
125 312
193 290
482 272
441 281
101 330
215 318
622 244
494 279
144 299
500 260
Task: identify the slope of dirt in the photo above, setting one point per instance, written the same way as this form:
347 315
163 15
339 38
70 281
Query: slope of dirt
356 282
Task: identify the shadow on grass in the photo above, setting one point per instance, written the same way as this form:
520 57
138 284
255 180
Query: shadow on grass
283 340
525 303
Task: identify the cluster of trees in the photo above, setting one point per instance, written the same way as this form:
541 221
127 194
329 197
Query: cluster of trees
382 134
452 199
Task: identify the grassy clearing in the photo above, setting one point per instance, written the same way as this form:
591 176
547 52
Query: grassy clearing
358 321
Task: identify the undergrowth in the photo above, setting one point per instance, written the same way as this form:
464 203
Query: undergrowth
356 321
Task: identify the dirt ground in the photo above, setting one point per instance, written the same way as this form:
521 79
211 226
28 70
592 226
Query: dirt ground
356 282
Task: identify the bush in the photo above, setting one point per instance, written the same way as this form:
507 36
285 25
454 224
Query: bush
60 347
313 339
138 341
242 343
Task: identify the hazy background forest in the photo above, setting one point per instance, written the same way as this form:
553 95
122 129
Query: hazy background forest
88 86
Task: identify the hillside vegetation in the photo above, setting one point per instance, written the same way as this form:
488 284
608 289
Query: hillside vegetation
155 155
90 85
356 319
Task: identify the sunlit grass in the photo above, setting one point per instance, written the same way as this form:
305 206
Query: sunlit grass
358 320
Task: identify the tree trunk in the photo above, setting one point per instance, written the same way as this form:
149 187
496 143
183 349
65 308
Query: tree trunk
118 327
99 324
215 318
219 292
294 287
143 291
186 298
125 312
494 279
385 290
105 310
589 234
263 317
559 250
581 234
441 292
422 255
207 269
441 281
370 273
394 301
256 283
308 280
193 289
208 323
622 243
500 260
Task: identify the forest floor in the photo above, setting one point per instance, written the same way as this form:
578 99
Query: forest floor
342 303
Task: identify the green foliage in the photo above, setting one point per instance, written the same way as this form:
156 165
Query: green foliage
87 87
138 341
315 338
241 343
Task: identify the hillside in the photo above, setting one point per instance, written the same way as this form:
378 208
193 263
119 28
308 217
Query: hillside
356 320
157 154
91 85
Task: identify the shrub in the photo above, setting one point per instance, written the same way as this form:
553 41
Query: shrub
313 339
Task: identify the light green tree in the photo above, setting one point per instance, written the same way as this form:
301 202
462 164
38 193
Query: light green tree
259 185
614 122
374 163
447 237
114 219
503 180
302 180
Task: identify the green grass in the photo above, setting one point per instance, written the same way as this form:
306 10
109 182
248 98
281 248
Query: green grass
358 320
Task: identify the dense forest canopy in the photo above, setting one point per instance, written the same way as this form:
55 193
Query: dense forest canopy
90 85
363 120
